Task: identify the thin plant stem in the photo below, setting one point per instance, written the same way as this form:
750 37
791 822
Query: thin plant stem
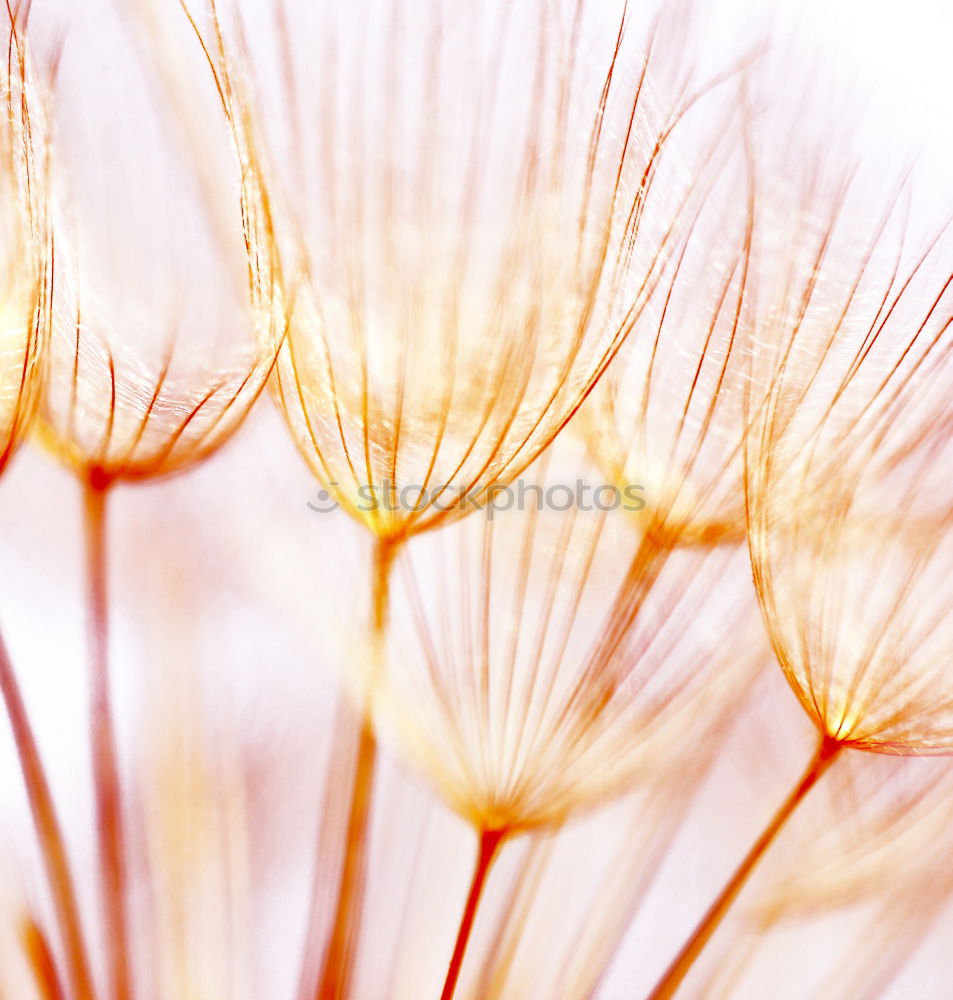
39 956
330 828
490 841
48 831
827 751
112 861
338 964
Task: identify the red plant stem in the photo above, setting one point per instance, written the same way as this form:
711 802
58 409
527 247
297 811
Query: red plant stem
490 841
112 861
39 956
338 964
666 987
48 832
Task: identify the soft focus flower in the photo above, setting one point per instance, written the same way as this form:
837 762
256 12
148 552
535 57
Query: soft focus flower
670 413
555 654
469 223
154 361
850 378
848 522
444 232
465 223
152 365
577 903
553 657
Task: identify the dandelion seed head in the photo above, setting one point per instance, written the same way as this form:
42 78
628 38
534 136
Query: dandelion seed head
554 657
848 522
152 360
456 220
670 413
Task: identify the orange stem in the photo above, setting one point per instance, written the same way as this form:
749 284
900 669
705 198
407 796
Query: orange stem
112 862
338 965
48 832
490 841
39 956
666 987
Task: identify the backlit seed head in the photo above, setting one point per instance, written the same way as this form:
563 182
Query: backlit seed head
848 520
153 360
553 656
670 413
471 215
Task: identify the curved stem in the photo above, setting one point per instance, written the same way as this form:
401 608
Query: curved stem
338 963
112 862
490 841
48 832
666 987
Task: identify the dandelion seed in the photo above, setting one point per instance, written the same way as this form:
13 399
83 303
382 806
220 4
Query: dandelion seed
554 657
670 413
24 329
452 262
152 362
465 279
847 549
